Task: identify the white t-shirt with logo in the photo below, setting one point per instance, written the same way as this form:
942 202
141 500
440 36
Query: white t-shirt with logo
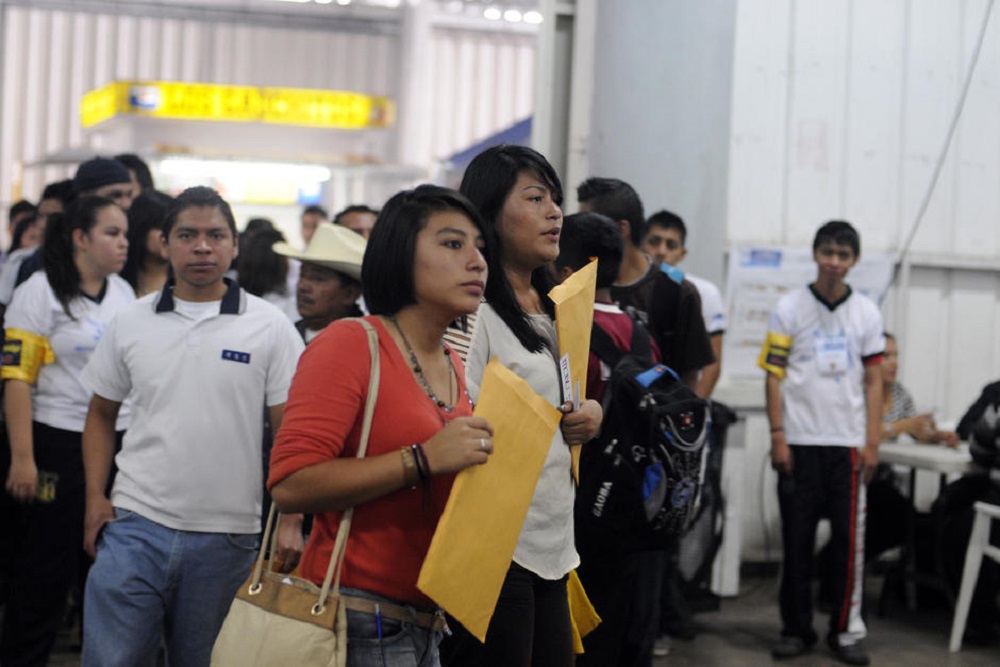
59 397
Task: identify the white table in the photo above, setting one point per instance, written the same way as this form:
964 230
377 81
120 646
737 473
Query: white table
933 458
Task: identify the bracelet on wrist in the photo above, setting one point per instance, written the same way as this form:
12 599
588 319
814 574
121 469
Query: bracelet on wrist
411 474
424 470
778 429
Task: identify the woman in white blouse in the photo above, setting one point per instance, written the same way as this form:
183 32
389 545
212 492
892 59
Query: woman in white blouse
518 194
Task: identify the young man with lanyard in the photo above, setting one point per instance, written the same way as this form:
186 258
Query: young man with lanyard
179 534
823 356
670 309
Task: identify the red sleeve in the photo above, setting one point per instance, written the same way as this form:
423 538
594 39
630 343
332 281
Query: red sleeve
321 413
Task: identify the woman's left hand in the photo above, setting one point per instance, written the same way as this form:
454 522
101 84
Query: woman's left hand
583 424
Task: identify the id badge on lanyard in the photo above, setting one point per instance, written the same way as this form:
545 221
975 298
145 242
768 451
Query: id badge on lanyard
831 354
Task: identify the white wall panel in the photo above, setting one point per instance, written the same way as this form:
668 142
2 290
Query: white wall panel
873 87
760 94
933 82
873 105
817 122
977 200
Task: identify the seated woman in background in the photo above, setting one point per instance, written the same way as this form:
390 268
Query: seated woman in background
898 412
886 504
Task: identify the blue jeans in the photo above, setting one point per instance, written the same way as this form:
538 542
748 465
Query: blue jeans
401 645
152 583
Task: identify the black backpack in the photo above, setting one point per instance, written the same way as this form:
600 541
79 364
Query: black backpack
640 479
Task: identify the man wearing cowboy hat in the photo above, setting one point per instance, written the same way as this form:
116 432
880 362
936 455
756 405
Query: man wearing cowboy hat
329 282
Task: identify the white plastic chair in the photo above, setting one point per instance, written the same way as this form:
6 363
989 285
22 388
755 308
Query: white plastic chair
979 546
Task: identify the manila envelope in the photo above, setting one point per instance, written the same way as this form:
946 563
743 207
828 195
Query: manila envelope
475 539
574 300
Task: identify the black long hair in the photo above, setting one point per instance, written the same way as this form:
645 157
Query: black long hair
57 251
23 225
488 180
145 214
261 270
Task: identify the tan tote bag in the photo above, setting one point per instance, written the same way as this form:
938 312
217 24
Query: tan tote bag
277 620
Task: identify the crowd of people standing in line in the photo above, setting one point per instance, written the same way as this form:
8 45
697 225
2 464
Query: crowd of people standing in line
141 408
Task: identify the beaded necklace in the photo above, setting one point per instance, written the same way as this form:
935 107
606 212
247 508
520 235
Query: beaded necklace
421 378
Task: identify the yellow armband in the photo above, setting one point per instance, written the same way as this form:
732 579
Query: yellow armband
774 354
24 353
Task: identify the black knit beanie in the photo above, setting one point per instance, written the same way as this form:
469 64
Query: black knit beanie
99 172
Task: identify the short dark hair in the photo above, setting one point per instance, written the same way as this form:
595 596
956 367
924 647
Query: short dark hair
668 220
19 207
839 232
198 197
319 210
61 190
586 235
487 182
353 208
137 166
387 268
616 199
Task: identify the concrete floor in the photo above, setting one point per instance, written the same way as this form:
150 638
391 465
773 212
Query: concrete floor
741 632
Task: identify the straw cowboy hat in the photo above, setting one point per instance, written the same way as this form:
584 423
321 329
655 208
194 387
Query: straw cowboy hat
333 246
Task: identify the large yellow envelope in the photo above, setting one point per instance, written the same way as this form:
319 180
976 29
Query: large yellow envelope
475 539
574 300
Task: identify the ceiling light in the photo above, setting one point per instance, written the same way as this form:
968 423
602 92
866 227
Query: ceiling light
343 3
492 13
245 170
322 2
533 17
512 16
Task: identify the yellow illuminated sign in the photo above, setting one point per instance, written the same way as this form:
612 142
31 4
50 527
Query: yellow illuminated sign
201 101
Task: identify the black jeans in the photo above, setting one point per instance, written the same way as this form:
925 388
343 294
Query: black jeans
530 627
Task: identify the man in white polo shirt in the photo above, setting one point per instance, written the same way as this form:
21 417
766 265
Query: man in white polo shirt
178 536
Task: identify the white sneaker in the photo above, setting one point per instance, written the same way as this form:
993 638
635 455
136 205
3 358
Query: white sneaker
662 646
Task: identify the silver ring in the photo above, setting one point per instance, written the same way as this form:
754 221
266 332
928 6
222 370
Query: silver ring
482 444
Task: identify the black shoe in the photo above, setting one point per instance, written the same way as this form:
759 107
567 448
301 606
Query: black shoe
852 654
789 647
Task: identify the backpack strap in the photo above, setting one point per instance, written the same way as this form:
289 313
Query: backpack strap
641 345
604 347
